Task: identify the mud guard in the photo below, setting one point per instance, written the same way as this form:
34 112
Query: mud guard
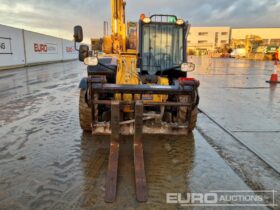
83 83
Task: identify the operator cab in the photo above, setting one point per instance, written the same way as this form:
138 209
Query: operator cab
162 45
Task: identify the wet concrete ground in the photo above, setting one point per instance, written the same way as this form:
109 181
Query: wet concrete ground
46 162
235 94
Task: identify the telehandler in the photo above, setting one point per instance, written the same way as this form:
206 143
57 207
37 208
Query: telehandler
137 91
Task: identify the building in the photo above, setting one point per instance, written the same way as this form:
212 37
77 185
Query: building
269 36
208 38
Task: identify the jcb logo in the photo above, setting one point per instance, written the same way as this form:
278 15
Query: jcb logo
2 46
40 47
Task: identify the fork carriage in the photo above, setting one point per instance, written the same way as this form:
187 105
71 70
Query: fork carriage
141 122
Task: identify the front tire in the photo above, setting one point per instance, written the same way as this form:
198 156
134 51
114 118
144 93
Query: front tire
84 113
183 112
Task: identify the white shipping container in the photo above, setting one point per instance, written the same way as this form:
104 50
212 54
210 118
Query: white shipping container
11 47
41 48
68 48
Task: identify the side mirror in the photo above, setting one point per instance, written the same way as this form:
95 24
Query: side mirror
78 34
188 67
83 52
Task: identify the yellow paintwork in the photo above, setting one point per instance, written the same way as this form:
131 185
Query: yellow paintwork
157 98
127 59
127 74
107 46
118 26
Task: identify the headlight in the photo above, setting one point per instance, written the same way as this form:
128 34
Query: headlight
187 67
180 22
147 20
91 61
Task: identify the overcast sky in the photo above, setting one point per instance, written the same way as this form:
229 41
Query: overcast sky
57 17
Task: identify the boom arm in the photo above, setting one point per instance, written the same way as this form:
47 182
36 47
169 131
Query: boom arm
118 25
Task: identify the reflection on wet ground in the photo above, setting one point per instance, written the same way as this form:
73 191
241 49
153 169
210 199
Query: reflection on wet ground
46 162
237 96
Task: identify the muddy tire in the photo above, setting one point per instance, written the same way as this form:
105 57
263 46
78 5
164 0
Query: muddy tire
183 113
84 113
192 124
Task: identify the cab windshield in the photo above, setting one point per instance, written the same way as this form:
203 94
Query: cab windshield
162 47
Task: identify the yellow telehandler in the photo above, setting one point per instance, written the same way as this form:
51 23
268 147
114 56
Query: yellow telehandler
137 91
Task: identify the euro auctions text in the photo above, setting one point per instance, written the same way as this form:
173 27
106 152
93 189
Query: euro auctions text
223 198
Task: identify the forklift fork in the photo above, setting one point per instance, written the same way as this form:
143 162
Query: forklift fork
140 177
112 173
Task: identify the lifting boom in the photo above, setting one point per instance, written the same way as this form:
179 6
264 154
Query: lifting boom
118 26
